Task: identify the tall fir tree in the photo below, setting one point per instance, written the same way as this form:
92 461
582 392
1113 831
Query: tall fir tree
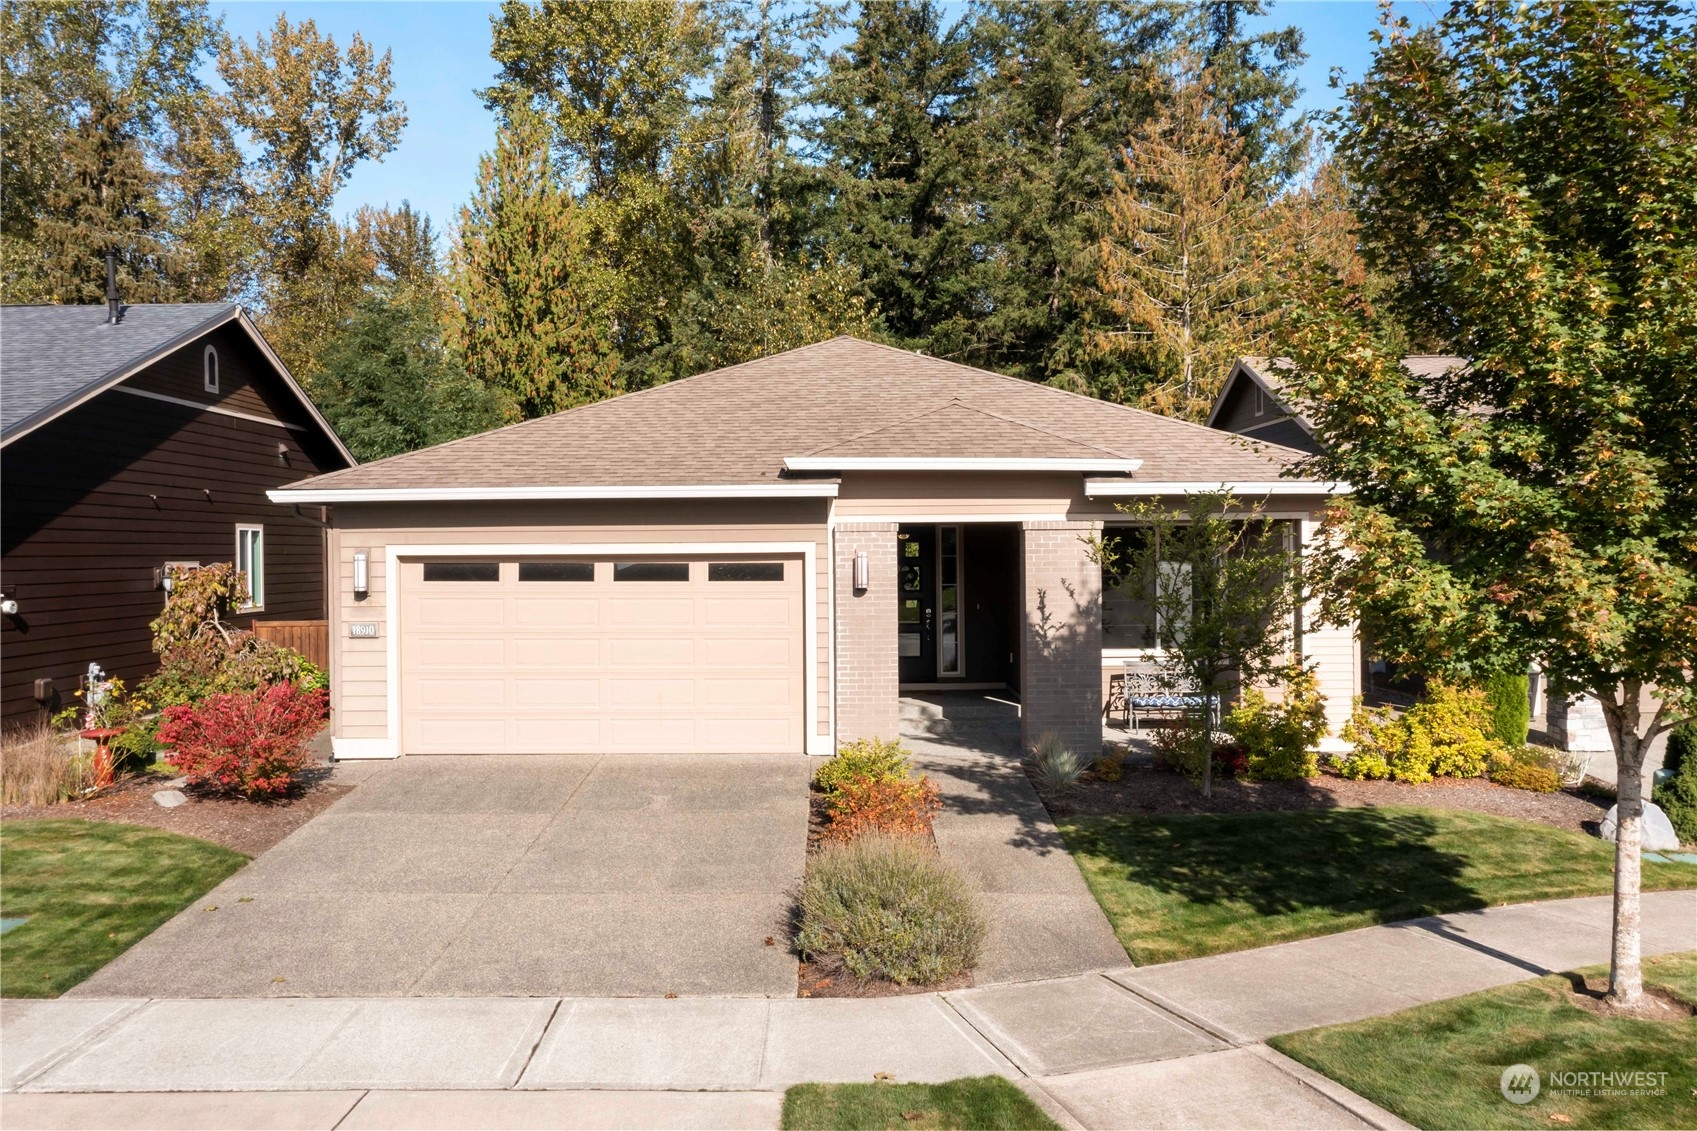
1252 80
1062 86
896 152
533 313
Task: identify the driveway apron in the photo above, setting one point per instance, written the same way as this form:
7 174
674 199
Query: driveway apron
507 876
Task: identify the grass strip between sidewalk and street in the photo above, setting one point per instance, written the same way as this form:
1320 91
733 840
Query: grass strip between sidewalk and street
1441 1065
980 1103
90 890
1184 886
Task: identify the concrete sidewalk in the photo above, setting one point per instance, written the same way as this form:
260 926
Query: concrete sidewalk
1164 1046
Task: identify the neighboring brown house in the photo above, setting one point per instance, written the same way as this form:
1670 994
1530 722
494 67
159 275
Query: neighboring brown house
130 442
761 559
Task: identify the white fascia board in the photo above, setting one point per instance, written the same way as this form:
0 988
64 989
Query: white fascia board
1133 488
331 495
952 463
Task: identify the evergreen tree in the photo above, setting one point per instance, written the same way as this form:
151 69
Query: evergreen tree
389 385
1063 85
533 311
614 82
895 147
1185 264
1253 83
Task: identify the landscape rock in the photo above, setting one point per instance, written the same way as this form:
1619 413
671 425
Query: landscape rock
171 798
1655 830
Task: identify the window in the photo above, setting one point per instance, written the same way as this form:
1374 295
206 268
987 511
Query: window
462 571
1128 617
250 562
209 368
556 571
650 571
948 600
1260 398
745 571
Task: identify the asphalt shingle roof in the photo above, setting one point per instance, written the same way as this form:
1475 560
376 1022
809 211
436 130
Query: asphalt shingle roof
843 396
50 355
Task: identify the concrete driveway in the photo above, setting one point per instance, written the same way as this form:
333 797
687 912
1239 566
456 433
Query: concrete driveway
525 876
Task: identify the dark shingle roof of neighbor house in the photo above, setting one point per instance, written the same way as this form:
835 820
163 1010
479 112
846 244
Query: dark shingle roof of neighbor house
51 355
843 397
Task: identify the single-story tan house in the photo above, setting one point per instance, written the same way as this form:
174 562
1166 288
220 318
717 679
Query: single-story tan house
761 559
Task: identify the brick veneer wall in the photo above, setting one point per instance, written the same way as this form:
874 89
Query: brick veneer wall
1061 640
868 686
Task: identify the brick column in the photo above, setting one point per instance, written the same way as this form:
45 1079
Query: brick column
865 642
1060 670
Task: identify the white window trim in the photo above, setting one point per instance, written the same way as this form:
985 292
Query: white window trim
242 528
209 368
390 747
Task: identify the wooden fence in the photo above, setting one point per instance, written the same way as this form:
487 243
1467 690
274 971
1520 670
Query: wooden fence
311 638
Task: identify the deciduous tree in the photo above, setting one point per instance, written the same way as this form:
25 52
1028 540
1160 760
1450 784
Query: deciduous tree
1524 175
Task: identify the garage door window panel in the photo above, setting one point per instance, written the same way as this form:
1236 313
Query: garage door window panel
745 571
650 571
556 571
462 571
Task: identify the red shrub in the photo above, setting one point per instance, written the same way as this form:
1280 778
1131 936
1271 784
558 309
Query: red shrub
1231 760
249 743
901 806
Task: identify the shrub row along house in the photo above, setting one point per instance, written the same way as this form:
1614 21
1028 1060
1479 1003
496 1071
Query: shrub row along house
762 558
137 438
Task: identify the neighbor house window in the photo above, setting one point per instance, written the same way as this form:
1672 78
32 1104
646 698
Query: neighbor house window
250 562
209 368
1260 401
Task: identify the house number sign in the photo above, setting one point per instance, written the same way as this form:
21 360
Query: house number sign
362 631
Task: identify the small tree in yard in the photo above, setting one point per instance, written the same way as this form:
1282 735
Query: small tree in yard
1223 589
1524 174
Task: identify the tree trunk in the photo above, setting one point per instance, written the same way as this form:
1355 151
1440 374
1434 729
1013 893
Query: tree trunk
1626 975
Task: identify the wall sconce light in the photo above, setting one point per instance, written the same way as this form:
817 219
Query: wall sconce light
862 571
362 573
162 578
9 606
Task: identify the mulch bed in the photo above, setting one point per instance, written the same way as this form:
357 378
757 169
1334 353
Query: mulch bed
1149 790
249 827
827 978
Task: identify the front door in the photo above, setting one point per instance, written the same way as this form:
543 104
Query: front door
916 604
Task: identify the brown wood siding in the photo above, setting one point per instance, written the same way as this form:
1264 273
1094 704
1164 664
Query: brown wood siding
245 379
97 499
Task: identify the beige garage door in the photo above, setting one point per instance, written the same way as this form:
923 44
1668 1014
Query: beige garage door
573 656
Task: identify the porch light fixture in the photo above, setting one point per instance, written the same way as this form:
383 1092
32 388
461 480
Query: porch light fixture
362 573
862 571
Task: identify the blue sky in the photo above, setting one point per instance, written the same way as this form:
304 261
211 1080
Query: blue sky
441 57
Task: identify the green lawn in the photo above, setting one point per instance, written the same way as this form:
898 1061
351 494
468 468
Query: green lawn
983 1103
1181 886
90 890
1441 1065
